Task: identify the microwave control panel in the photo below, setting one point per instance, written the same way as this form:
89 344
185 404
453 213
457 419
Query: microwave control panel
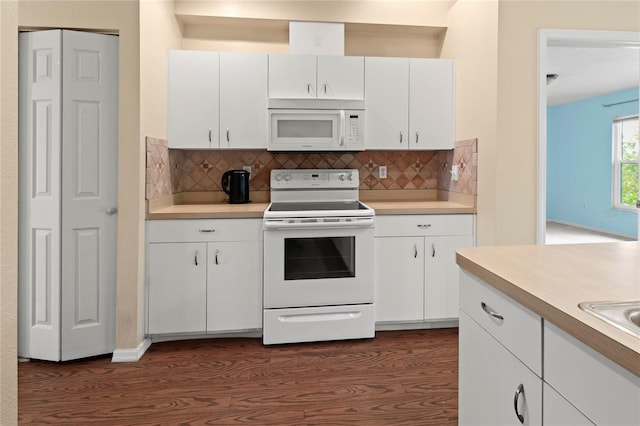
354 129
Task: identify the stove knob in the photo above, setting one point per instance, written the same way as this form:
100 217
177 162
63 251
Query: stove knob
287 177
350 177
278 178
341 177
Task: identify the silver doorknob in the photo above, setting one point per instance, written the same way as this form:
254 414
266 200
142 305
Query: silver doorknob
111 210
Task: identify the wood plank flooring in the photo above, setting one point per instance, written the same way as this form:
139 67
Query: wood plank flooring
398 378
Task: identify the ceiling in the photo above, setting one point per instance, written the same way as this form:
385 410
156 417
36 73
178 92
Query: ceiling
585 71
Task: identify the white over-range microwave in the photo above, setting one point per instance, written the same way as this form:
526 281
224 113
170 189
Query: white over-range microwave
316 130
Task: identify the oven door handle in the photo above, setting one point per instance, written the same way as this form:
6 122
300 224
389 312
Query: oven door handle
358 222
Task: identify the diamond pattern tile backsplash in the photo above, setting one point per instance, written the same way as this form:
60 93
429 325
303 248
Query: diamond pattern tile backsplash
169 170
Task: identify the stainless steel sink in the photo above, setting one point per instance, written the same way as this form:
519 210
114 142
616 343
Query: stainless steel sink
625 315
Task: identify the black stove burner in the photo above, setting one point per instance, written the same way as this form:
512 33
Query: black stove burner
317 206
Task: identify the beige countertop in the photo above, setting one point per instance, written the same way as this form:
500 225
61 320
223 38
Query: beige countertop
552 280
213 205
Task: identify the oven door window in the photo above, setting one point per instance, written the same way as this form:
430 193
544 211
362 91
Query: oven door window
319 258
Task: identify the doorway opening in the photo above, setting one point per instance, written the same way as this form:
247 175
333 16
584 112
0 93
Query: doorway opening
579 89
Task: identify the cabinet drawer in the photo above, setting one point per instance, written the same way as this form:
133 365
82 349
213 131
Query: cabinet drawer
416 225
519 330
204 230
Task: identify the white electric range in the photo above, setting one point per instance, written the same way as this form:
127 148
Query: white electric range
318 258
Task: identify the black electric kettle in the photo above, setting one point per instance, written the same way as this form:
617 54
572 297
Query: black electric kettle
235 183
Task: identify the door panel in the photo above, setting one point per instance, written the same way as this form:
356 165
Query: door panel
39 195
89 190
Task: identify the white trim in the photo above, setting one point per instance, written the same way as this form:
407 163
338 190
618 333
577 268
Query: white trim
557 37
131 355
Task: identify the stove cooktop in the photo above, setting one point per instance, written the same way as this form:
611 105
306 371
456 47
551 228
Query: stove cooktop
317 206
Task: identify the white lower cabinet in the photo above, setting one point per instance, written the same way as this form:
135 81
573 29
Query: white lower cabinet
503 345
558 411
177 287
234 286
603 391
416 271
204 276
496 388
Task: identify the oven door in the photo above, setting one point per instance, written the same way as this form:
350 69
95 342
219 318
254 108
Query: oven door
308 264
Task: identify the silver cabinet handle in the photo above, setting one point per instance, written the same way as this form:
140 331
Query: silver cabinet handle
209 135
206 230
433 250
491 312
417 137
227 134
342 128
415 251
325 87
400 137
424 225
516 397
195 258
216 257
308 88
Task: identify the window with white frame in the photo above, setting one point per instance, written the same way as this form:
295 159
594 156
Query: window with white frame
626 151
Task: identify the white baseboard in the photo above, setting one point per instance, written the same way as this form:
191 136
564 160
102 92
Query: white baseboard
131 355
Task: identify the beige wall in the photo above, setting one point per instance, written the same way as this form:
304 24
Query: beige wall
472 40
516 150
8 210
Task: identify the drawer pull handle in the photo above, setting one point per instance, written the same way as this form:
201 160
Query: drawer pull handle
415 251
433 250
516 397
204 231
195 258
216 257
424 226
491 312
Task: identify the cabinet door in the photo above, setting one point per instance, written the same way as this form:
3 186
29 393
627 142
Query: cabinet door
441 276
431 104
387 96
192 99
177 287
292 76
559 412
489 379
399 278
234 286
340 77
243 100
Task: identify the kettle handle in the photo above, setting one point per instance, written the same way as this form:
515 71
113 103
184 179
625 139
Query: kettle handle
225 181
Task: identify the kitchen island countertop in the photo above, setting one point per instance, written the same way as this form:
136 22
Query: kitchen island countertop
551 280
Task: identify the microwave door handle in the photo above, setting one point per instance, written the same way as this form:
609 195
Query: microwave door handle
343 130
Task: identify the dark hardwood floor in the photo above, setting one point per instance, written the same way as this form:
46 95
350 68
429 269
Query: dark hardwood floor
398 378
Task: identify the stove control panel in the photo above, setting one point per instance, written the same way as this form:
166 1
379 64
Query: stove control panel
314 178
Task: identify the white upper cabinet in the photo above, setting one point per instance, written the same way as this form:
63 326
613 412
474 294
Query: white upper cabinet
340 77
410 103
192 99
217 100
316 77
243 100
431 104
387 100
